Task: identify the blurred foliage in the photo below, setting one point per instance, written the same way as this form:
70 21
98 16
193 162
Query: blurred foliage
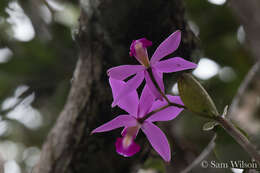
155 164
45 64
3 5
218 38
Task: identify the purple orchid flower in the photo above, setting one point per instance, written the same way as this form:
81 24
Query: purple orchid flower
157 67
134 120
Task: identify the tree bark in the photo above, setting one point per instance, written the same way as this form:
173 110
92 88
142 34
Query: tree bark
106 29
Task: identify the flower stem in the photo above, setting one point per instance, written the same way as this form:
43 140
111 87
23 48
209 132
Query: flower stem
141 120
239 137
164 96
152 112
161 92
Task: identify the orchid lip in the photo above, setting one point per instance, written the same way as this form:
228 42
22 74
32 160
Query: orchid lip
128 151
141 54
127 141
138 49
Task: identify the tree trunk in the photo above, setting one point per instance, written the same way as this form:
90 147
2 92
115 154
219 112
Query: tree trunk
106 29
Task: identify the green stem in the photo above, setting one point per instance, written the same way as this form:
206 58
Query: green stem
239 137
141 120
229 127
152 112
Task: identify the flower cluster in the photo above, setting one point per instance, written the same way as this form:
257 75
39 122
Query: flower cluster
153 105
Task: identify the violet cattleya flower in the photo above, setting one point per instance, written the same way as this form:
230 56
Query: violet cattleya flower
134 120
157 67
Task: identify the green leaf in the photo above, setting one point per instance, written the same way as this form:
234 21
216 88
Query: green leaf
227 149
209 125
3 5
195 97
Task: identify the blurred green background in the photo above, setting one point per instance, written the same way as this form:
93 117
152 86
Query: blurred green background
38 55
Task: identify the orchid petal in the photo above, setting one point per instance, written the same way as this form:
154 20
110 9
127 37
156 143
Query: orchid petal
175 99
166 114
124 71
129 103
174 64
151 85
119 121
126 151
131 85
169 45
146 101
123 133
160 103
159 78
157 139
